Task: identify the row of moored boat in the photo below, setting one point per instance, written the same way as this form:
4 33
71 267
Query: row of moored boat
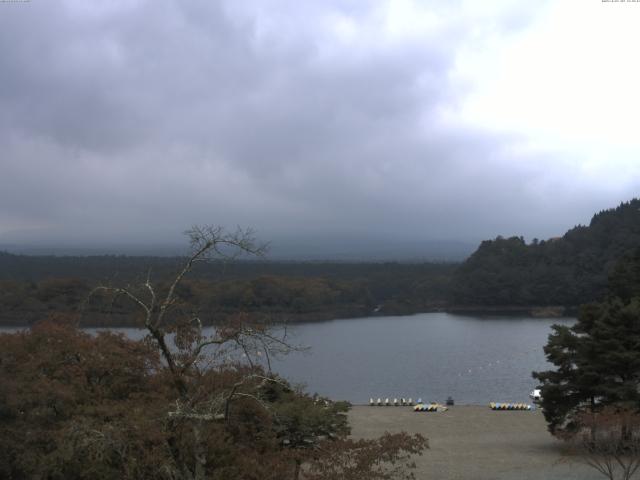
396 402
509 406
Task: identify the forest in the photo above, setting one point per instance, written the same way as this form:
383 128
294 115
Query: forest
181 404
505 273
568 270
32 286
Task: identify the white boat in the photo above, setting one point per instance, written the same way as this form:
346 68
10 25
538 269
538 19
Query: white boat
536 395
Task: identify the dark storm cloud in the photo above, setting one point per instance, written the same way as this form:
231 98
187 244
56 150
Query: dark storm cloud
130 121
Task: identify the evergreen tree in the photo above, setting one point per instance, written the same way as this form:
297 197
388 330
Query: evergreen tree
567 270
624 281
597 360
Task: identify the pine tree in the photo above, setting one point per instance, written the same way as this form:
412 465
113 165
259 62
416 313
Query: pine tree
597 363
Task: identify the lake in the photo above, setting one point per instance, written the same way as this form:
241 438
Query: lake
430 356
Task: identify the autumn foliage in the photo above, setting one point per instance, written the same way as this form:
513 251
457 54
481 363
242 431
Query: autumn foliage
184 403
80 406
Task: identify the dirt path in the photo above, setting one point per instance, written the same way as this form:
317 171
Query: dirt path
472 442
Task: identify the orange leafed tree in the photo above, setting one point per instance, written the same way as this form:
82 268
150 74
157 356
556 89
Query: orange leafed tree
185 403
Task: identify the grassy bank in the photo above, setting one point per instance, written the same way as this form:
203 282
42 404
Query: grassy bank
474 442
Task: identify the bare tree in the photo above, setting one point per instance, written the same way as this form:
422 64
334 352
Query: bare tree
189 351
609 441
224 369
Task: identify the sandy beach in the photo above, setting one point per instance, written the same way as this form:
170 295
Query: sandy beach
474 442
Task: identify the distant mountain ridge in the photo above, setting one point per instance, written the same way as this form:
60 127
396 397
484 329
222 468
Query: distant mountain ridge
569 270
299 249
505 275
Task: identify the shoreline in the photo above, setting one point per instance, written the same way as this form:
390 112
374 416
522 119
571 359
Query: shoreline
475 442
532 311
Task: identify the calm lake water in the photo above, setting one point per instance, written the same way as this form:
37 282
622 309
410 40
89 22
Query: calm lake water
432 355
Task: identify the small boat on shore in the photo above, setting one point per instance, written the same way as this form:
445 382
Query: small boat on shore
395 402
509 406
432 407
536 395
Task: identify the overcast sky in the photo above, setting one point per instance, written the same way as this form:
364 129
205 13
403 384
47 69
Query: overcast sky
129 121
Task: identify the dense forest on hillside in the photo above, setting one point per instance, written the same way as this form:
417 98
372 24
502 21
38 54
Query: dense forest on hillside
503 273
30 287
569 270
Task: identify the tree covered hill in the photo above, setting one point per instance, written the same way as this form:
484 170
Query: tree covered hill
505 272
569 270
33 286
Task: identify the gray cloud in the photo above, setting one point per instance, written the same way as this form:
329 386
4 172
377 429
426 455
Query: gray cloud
133 121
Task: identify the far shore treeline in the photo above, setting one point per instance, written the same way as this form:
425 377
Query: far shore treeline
508 275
